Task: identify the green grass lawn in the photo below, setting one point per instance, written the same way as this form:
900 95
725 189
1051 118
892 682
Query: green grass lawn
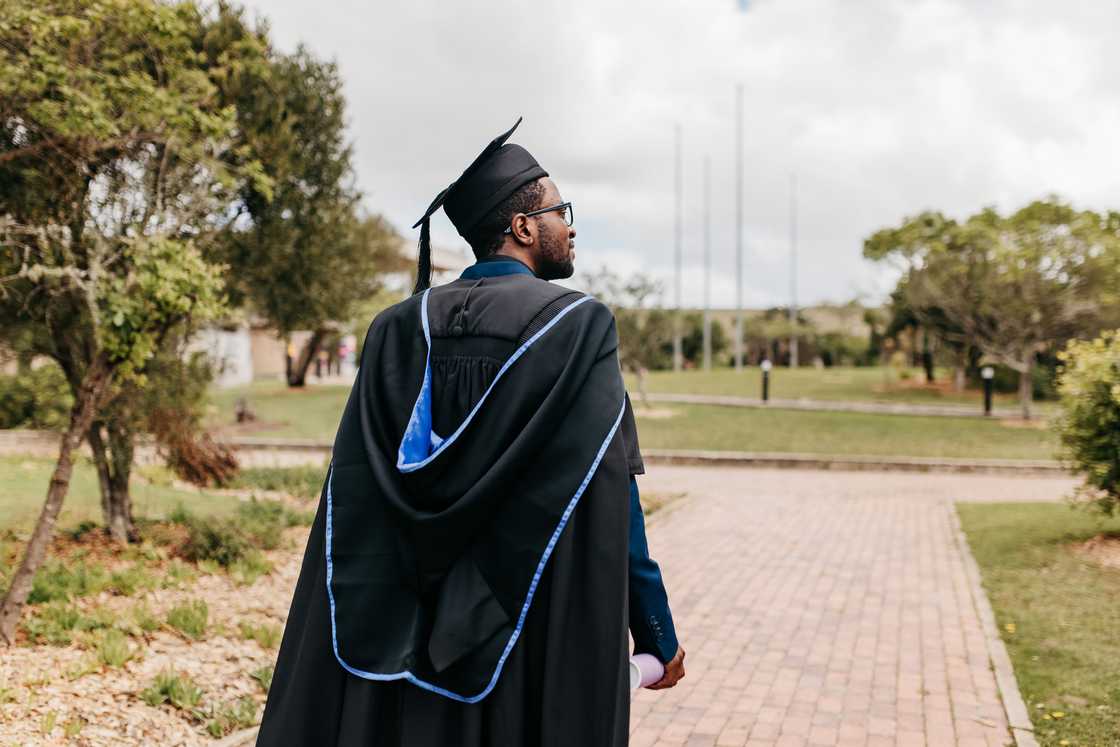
1058 613
282 412
314 412
25 487
878 384
750 429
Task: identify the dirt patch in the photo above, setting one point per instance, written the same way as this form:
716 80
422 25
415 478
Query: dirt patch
1103 550
1034 424
655 413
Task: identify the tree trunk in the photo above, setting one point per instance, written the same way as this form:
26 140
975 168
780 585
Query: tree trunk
119 522
1026 386
927 357
101 463
85 406
298 375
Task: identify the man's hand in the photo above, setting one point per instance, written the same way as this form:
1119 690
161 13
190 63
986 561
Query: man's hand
674 670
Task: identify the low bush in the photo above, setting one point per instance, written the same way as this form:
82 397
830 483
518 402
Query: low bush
256 525
300 482
38 399
1089 423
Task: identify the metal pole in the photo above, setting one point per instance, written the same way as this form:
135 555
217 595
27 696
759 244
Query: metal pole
793 359
707 264
766 366
738 349
678 357
986 373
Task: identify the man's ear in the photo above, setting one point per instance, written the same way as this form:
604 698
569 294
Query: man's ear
523 230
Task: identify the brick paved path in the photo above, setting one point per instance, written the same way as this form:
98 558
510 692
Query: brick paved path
823 608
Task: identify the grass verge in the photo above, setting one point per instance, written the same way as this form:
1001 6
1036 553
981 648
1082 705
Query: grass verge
1058 613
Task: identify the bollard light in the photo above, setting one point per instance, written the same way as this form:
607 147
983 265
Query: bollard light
766 365
987 373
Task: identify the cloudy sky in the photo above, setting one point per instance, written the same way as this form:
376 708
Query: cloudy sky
882 108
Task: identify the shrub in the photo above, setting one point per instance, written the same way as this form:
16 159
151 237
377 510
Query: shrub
226 540
190 618
38 399
302 482
1089 423
178 690
211 538
144 619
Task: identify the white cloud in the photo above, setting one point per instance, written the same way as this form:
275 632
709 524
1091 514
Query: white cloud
882 107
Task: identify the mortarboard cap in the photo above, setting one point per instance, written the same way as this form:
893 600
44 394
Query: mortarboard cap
499 171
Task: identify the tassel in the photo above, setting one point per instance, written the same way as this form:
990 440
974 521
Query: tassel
424 258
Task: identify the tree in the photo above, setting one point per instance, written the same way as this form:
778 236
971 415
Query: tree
645 335
110 175
1089 423
301 255
1014 286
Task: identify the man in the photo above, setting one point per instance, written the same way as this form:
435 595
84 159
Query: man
479 544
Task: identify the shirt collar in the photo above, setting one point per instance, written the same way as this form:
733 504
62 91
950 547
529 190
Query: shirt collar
495 265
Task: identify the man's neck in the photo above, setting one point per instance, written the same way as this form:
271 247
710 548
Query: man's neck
519 256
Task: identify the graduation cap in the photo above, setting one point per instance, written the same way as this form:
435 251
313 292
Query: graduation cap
499 171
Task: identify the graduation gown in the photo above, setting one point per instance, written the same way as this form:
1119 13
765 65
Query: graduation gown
465 579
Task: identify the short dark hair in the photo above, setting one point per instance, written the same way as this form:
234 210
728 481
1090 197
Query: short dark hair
488 236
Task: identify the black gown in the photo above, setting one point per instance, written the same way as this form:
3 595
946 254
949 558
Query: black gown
468 562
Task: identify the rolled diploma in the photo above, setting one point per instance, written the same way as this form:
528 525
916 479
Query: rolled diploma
645 670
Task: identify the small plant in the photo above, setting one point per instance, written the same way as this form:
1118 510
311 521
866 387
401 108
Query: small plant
113 649
56 581
131 580
8 695
190 618
231 716
177 689
268 636
263 676
178 574
47 723
73 727
56 623
246 570
144 619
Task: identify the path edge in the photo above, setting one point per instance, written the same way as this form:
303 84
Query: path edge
1015 710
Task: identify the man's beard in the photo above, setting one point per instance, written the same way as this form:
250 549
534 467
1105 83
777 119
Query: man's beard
555 260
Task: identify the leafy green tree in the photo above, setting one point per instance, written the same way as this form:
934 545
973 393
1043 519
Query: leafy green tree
1013 286
111 174
1089 423
301 255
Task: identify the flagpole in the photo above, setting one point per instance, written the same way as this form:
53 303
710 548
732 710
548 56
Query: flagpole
738 348
678 357
793 359
707 264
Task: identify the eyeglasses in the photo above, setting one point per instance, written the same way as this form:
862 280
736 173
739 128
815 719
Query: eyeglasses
566 207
